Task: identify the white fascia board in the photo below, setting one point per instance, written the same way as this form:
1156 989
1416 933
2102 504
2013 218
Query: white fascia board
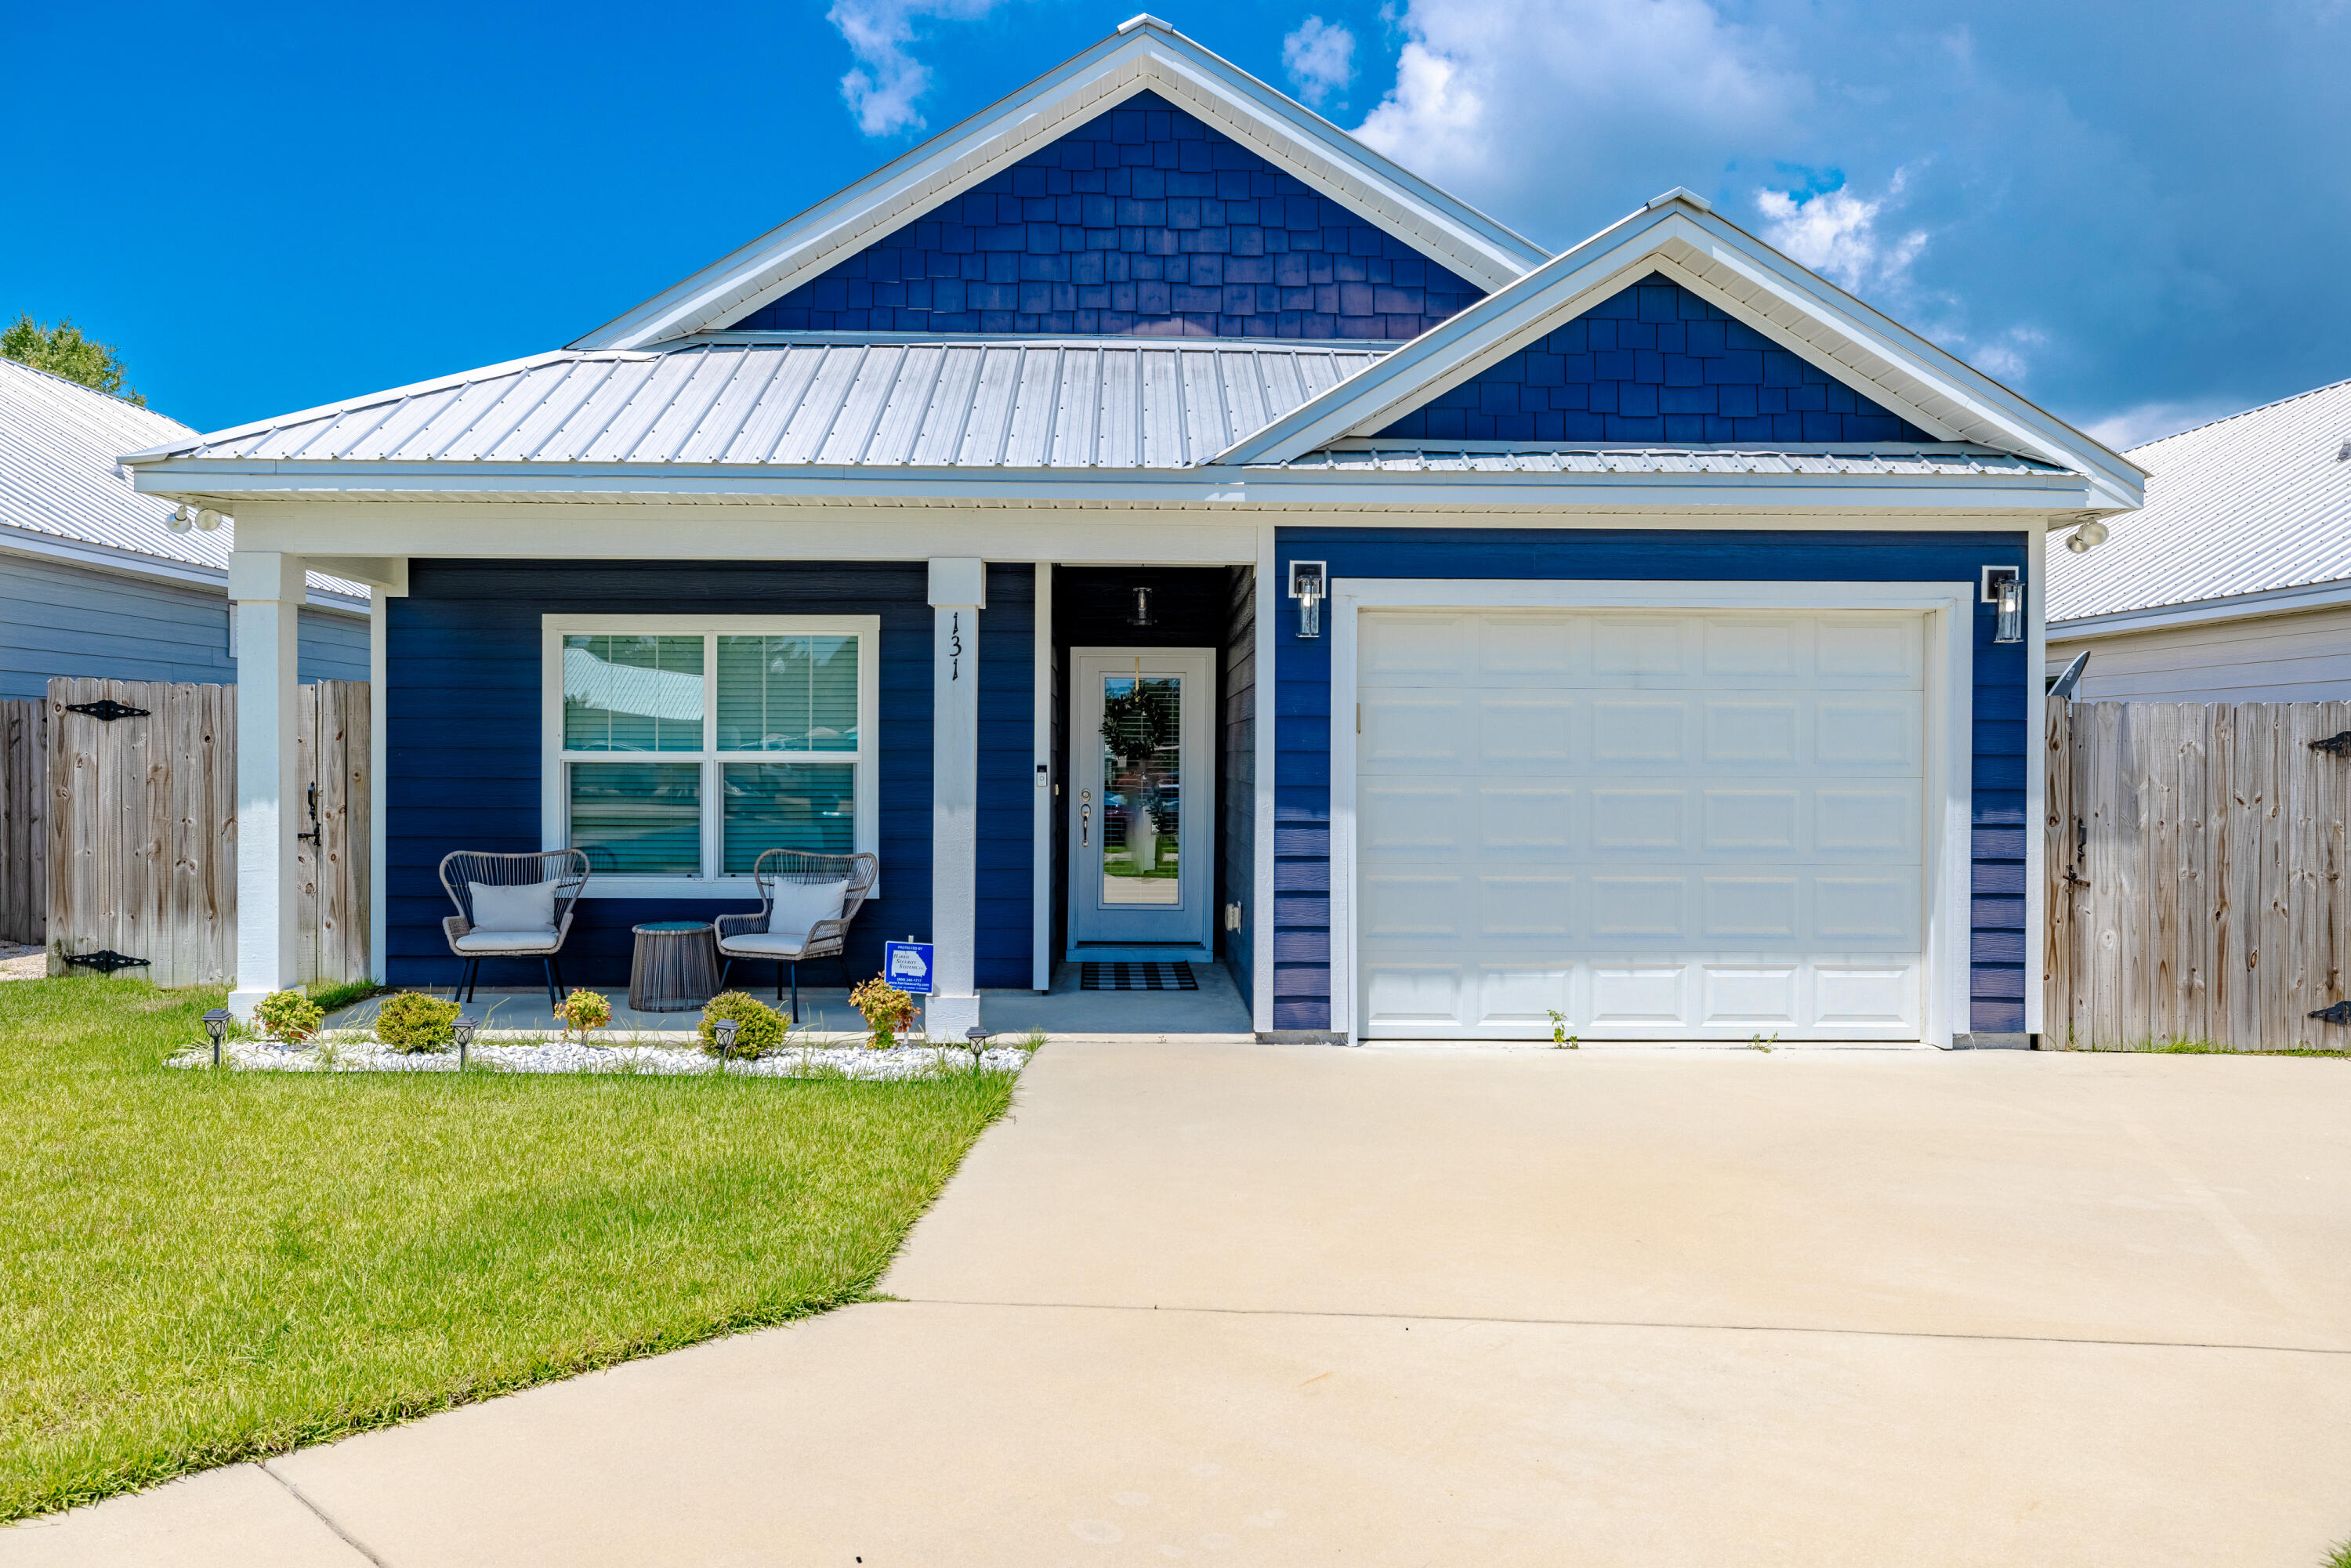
157 568
2028 493
2206 612
1264 120
1456 350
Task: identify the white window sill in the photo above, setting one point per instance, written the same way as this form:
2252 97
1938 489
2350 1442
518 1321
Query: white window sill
741 887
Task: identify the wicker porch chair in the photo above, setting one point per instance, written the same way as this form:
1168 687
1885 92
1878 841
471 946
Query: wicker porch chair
748 936
568 869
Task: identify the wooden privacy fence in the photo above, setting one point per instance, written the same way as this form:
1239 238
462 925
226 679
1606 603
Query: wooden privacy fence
2195 865
141 832
24 820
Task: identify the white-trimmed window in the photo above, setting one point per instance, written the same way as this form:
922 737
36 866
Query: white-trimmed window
679 748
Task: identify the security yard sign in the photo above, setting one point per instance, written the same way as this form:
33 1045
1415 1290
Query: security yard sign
907 966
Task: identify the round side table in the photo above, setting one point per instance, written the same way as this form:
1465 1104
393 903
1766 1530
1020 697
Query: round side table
673 967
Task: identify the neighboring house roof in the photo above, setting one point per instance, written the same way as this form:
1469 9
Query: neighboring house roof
2254 508
64 494
1144 55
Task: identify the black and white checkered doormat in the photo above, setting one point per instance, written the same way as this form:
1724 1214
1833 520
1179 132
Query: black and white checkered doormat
1137 978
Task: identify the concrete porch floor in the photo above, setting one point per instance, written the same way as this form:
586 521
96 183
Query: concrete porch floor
1215 1012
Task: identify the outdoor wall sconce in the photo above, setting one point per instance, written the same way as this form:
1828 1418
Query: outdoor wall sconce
725 1028
216 1025
1141 615
2004 590
1310 582
2088 536
465 1032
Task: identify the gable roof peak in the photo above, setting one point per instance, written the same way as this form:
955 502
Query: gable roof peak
1145 54
1145 19
1682 194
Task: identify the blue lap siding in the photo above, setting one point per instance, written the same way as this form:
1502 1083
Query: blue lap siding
2002 740
463 720
1007 787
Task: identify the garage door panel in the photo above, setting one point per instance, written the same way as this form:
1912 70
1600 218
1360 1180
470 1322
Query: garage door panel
1429 908
1533 905
1418 649
1660 825
1640 733
1751 996
1525 817
1856 732
1527 731
1413 816
1746 821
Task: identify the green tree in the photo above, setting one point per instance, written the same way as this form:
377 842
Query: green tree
62 351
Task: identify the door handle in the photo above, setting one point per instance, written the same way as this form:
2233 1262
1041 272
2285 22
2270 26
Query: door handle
1085 818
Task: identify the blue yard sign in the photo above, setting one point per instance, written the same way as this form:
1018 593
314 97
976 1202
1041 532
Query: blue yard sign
907 966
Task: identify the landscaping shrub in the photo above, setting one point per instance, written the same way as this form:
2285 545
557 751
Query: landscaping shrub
887 1010
583 1010
413 1022
759 1029
289 1016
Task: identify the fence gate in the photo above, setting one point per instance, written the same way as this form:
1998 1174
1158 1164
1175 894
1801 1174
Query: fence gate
141 840
24 820
2195 862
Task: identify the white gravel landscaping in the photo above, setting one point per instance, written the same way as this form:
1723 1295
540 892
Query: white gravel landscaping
365 1055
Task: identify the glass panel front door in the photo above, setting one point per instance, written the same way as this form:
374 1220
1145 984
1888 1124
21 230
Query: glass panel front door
1140 799
1142 784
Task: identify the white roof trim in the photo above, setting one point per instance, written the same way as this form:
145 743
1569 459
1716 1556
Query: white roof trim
98 556
1149 56
1732 269
2203 612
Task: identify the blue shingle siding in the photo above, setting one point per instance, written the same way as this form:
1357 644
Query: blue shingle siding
1654 363
1144 222
2003 741
463 720
1007 787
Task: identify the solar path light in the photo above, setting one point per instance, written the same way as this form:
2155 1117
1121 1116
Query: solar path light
216 1025
725 1030
463 1028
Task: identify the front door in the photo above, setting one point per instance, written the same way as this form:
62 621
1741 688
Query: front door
1141 801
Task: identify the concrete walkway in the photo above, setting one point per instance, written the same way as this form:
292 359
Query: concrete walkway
1251 1304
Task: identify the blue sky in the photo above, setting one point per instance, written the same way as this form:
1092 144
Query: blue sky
2136 214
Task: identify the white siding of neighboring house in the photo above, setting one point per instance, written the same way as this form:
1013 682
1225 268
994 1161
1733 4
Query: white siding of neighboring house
2298 658
57 619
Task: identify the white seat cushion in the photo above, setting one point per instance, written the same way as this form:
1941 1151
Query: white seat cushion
541 940
801 906
766 944
529 906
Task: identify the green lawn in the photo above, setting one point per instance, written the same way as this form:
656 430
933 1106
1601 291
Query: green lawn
197 1268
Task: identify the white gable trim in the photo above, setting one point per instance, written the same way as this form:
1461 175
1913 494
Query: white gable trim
1730 269
1148 56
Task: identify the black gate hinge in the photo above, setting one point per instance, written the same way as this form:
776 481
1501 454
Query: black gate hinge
106 710
106 960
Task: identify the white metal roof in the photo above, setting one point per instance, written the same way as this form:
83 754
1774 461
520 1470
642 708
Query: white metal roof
1481 457
955 404
2251 504
60 478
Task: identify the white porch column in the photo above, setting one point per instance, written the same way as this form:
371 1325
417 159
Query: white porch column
268 589
958 592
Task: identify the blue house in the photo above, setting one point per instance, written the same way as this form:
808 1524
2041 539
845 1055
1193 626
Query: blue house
1157 525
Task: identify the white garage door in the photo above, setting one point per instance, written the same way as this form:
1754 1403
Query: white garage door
1663 825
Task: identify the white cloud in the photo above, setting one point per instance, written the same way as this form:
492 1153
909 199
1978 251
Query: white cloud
1514 103
887 80
2149 422
1836 234
1320 57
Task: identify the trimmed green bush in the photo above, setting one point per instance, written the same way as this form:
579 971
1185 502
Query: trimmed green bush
413 1022
289 1016
759 1027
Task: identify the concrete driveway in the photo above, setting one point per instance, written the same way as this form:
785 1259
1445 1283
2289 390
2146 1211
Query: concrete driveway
1246 1304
